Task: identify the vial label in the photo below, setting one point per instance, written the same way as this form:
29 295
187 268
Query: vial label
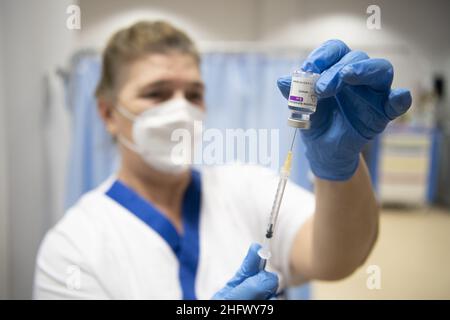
302 94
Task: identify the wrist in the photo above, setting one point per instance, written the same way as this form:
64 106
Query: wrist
333 168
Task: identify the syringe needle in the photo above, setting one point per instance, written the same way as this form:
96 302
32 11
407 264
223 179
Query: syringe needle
293 139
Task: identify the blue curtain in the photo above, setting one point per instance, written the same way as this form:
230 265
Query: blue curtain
241 92
93 153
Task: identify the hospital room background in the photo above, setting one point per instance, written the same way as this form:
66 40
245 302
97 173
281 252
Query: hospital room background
53 146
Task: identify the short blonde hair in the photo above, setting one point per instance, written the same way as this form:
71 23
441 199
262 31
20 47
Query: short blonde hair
140 39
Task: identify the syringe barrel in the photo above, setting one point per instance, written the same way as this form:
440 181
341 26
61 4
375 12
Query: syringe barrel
277 201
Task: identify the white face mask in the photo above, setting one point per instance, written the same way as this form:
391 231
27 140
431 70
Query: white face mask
153 134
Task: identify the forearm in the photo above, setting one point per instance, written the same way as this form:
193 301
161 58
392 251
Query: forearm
343 230
345 224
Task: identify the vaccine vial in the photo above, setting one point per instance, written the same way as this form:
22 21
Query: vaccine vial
302 100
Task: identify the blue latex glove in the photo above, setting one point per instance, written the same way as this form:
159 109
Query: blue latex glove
249 283
355 104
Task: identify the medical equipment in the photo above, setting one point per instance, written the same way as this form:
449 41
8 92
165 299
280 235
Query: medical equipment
302 102
264 253
152 130
302 99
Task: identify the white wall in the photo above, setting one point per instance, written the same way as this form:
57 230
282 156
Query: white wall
229 20
36 40
4 263
414 34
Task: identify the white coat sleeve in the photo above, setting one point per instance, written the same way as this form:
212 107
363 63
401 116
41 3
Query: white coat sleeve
62 272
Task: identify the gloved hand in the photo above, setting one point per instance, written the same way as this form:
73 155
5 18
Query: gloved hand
355 104
249 283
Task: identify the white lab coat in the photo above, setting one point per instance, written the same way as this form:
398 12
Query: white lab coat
101 250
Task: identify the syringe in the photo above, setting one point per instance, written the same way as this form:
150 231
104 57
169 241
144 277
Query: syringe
264 252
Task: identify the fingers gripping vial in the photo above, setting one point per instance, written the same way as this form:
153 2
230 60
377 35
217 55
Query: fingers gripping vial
302 102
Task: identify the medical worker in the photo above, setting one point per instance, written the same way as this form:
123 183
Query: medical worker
159 229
